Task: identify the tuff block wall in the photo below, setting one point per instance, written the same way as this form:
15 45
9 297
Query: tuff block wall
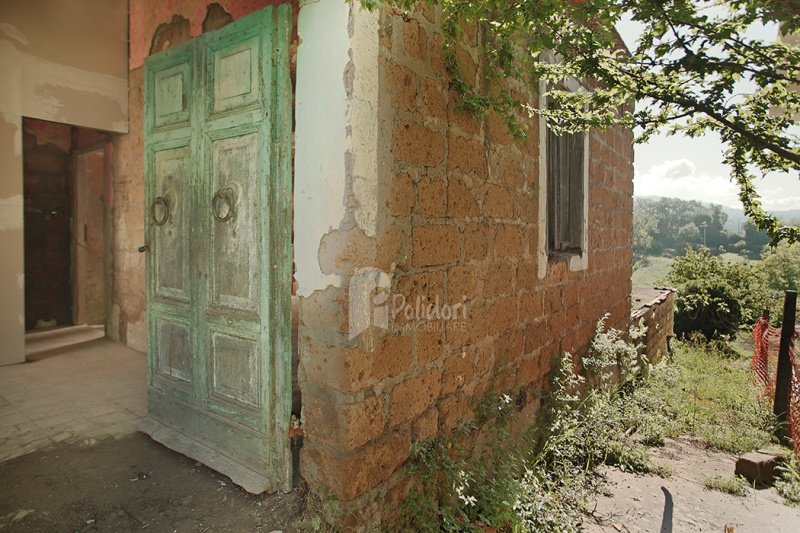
448 208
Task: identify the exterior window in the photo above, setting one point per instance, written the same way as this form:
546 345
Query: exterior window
565 192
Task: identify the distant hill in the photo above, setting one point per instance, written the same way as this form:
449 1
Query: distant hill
736 216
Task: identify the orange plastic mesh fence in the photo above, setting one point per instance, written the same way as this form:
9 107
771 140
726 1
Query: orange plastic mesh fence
764 364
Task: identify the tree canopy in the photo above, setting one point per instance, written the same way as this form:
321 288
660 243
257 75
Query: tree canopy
695 69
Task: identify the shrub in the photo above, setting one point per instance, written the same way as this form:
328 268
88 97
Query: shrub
781 272
709 307
789 484
781 266
715 296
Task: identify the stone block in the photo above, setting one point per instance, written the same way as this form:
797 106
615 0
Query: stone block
757 467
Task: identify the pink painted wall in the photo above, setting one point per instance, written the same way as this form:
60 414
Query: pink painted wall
146 15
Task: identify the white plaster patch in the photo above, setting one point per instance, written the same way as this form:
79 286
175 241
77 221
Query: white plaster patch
11 212
14 33
363 119
15 121
541 252
320 139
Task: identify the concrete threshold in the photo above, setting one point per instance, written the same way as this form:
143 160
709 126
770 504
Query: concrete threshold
38 343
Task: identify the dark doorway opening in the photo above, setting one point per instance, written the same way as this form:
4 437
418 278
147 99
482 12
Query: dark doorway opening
67 232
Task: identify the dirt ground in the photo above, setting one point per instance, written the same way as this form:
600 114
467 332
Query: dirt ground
135 484
681 502
131 484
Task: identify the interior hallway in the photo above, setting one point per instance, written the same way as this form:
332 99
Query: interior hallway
91 390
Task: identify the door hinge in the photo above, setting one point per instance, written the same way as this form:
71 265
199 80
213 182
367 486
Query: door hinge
295 428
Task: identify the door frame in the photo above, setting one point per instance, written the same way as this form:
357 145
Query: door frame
106 147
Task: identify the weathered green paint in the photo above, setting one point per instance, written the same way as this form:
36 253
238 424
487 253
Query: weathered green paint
218 134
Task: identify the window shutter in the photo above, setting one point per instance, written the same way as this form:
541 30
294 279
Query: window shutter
553 189
565 191
576 146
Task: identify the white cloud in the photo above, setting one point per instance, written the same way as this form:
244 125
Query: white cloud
679 178
678 169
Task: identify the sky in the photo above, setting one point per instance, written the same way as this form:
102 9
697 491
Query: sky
692 169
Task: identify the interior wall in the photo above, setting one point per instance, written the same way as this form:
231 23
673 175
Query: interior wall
63 61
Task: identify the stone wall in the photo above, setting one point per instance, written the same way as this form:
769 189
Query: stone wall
656 310
449 209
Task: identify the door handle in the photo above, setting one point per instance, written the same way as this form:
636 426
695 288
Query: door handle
163 202
224 196
144 248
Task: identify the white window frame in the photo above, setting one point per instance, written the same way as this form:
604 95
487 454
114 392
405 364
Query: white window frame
577 261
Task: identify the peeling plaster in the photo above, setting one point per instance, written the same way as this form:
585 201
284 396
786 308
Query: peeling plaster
146 15
320 143
336 159
362 115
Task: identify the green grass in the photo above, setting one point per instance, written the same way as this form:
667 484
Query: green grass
736 486
736 258
705 391
653 272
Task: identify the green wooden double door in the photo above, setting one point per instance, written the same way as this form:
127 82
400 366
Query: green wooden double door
218 226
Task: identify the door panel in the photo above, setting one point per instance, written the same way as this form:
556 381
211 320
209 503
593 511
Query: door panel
170 218
236 75
235 369
172 93
235 227
219 268
174 350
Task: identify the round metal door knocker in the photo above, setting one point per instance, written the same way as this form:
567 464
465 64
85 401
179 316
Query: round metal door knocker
163 203
227 198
